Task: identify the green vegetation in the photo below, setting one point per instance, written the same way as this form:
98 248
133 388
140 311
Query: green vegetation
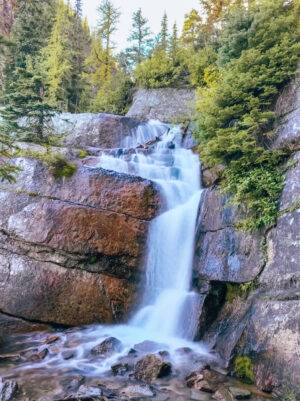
243 369
58 165
235 291
258 54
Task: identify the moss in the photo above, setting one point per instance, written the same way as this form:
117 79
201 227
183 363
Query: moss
243 369
234 291
58 165
82 153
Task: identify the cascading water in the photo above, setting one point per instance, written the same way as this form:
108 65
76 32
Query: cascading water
169 309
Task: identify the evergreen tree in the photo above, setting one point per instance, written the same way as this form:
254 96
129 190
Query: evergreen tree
174 44
192 33
140 38
24 88
164 34
78 8
108 20
57 59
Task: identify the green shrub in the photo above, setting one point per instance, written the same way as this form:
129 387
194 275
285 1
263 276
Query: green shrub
243 369
236 118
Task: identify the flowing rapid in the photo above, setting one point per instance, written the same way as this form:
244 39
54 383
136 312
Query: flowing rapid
168 306
168 312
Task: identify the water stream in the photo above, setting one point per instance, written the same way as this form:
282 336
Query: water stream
168 311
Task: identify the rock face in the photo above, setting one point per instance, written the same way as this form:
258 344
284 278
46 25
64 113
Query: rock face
94 130
259 320
167 105
71 249
222 252
288 111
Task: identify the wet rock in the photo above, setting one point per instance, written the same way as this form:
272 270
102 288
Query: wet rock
223 394
8 390
52 339
34 355
211 176
72 384
148 346
193 379
151 367
120 369
69 354
10 325
197 395
137 391
240 393
107 347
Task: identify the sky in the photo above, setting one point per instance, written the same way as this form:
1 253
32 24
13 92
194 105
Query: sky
152 9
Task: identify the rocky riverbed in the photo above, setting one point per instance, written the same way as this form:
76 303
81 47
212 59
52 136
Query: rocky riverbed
30 371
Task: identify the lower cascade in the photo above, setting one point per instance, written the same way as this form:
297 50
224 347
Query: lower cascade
166 318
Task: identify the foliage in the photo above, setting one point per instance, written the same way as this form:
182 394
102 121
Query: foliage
235 108
234 291
58 165
192 34
140 39
157 72
243 369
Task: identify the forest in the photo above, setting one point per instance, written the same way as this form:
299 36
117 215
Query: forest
238 55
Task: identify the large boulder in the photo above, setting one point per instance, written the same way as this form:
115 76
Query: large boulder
93 130
71 248
167 105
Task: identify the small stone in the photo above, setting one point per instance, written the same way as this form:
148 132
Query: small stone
51 339
34 355
68 355
107 347
197 395
120 369
86 391
193 379
137 391
240 393
223 395
8 390
151 367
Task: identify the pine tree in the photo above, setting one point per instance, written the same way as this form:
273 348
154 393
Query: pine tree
174 44
108 20
192 33
57 58
24 88
164 34
140 38
78 8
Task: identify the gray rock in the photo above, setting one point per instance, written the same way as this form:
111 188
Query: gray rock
151 367
137 391
8 390
197 395
240 393
107 347
288 110
93 130
167 105
222 252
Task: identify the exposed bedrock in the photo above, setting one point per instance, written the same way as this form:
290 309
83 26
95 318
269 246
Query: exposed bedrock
71 249
167 105
94 130
252 307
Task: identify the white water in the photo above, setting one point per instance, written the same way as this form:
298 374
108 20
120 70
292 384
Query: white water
169 309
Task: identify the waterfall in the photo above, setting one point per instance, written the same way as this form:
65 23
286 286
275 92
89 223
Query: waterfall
168 301
169 310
